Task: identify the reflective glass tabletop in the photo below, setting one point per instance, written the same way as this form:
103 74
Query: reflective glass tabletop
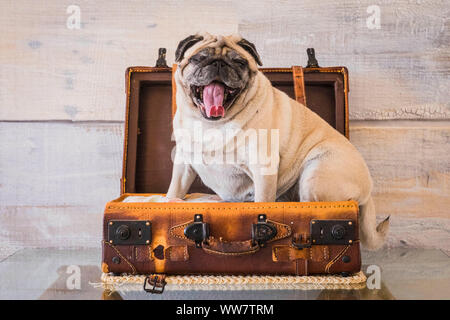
405 273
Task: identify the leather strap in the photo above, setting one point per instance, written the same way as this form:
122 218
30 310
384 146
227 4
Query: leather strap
231 248
287 253
174 90
299 84
176 253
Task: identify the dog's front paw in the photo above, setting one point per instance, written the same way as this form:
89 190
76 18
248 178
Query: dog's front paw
166 199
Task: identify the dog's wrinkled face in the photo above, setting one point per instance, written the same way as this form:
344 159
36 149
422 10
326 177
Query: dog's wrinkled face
215 75
216 80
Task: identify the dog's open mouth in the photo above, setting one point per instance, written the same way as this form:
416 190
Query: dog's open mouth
214 99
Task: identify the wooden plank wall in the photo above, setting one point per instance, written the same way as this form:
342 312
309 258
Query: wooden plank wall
62 101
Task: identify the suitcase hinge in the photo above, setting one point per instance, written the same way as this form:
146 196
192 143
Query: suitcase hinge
312 61
161 62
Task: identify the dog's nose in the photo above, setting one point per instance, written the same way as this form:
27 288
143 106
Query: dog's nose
218 64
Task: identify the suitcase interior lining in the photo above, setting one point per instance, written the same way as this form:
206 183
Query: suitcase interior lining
148 149
192 197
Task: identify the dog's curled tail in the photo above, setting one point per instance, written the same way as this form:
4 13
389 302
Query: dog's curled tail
372 236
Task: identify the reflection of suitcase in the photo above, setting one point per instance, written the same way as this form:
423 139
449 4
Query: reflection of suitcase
223 238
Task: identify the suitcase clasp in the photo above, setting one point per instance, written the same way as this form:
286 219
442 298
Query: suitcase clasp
263 231
198 231
327 232
129 232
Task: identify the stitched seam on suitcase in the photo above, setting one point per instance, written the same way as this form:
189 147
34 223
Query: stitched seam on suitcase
324 252
182 226
252 249
149 253
230 253
168 255
275 253
281 236
121 255
330 264
229 208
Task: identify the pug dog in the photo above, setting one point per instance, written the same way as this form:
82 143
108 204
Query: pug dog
221 93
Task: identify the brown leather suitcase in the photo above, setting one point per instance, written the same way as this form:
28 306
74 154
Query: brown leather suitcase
282 238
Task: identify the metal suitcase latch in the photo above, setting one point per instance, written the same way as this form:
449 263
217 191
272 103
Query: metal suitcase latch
129 232
263 231
329 232
198 231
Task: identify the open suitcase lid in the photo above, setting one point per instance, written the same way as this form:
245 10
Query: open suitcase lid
147 164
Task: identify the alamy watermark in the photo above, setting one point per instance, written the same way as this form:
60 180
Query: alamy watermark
373 277
74 18
254 147
374 20
73 281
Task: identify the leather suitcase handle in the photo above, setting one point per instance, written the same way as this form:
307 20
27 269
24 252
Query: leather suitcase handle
262 232
230 248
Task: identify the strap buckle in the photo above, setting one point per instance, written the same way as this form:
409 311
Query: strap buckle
299 245
158 284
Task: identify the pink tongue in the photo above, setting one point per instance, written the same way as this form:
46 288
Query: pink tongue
213 95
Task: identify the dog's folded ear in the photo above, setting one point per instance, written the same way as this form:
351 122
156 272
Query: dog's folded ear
184 45
250 48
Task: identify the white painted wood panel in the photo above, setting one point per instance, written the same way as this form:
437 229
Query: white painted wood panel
59 174
55 179
59 164
77 164
50 72
400 71
410 167
52 226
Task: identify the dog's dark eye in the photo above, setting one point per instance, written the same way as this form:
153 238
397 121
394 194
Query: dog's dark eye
240 62
197 58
